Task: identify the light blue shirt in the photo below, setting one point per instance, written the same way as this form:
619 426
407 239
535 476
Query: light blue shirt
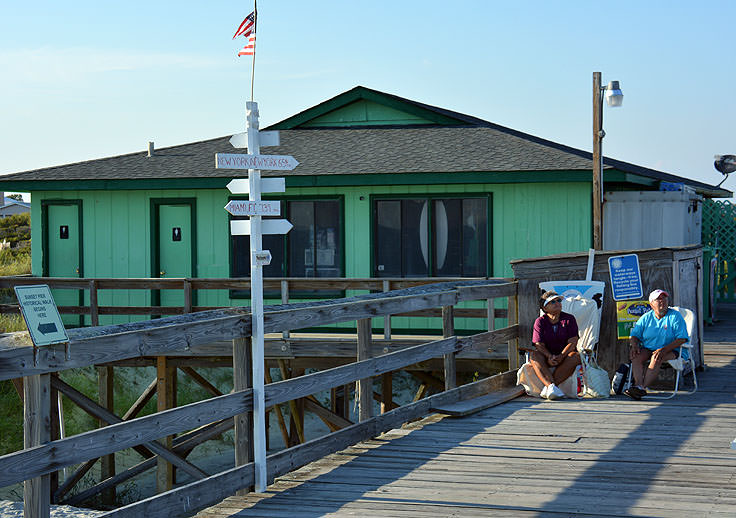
654 333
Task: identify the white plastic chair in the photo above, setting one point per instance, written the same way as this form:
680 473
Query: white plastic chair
682 366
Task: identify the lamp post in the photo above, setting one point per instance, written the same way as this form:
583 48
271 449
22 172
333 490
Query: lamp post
614 97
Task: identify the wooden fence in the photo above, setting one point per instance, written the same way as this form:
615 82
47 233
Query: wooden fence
43 454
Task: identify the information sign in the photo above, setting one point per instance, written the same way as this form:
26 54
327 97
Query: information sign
265 139
627 313
41 315
243 161
625 277
242 185
253 208
241 227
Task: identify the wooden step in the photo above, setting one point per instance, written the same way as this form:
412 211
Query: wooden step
470 406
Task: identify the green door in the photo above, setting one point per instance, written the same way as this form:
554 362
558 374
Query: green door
174 230
63 250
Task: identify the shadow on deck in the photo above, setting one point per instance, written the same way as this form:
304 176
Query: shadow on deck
528 457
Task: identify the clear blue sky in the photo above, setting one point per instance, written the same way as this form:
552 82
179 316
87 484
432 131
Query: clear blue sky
84 79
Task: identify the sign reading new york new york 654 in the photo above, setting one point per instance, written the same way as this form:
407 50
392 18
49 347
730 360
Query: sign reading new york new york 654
243 161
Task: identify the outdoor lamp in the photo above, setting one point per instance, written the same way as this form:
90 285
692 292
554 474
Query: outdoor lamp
614 95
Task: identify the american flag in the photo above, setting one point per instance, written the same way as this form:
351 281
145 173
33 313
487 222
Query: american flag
247 27
250 48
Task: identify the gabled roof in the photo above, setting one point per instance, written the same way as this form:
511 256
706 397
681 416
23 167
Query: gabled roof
372 147
12 201
426 113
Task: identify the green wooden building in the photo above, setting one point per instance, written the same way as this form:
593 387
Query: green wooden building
386 187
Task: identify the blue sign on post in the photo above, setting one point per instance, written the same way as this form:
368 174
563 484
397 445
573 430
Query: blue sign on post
625 277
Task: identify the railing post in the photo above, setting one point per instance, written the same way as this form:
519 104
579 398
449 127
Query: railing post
106 399
387 318
513 345
364 388
187 296
243 379
491 303
166 399
285 300
94 311
448 330
37 431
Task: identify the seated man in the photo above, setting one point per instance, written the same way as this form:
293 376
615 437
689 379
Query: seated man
555 338
661 332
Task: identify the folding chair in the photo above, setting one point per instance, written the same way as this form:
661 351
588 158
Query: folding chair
682 366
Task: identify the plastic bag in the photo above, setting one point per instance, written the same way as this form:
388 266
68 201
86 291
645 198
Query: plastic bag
597 383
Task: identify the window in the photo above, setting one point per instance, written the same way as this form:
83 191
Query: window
313 248
431 237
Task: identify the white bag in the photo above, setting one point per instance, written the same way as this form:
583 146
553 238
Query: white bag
597 383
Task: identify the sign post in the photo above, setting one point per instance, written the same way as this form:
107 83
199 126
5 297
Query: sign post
256 208
41 316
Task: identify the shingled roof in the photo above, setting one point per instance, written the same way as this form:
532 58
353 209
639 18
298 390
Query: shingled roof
467 145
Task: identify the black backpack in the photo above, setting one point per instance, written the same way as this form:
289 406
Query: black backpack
620 378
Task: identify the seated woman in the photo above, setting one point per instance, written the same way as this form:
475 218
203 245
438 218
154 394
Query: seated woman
555 337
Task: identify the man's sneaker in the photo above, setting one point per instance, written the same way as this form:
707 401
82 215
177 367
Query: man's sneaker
545 392
635 392
555 392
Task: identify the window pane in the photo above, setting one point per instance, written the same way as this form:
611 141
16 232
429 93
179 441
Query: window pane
328 246
388 239
301 239
448 242
315 247
414 238
475 237
241 255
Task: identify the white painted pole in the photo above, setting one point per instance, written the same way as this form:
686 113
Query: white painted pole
589 272
256 301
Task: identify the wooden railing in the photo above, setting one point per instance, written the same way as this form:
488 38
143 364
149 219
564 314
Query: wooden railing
42 457
284 286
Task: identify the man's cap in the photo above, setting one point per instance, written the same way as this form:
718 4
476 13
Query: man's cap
656 294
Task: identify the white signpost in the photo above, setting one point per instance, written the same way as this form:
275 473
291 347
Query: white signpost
256 227
242 227
253 208
265 139
241 185
255 161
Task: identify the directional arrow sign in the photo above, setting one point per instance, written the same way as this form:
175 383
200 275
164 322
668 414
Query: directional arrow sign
241 227
47 327
243 161
253 208
41 315
265 139
242 185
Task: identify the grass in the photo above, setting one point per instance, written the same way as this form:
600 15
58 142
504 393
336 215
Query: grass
20 266
11 407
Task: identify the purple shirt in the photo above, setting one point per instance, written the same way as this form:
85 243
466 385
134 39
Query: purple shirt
555 336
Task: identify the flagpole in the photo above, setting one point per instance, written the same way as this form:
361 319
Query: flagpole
255 31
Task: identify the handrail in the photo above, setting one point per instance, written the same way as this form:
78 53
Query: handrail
284 285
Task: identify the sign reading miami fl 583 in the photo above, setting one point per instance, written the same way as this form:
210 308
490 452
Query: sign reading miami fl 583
243 161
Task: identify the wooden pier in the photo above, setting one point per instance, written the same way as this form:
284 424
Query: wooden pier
528 457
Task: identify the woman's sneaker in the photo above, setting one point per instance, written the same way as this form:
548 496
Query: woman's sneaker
555 392
545 392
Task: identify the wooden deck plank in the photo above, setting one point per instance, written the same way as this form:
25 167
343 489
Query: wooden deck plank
527 457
